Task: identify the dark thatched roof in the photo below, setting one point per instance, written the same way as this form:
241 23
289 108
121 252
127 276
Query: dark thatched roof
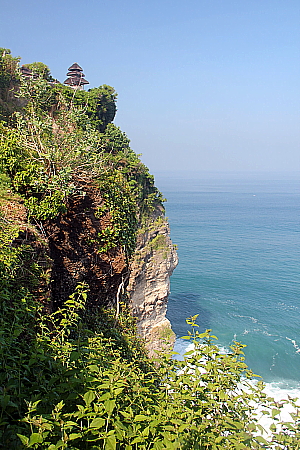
75 76
77 73
75 81
26 71
75 66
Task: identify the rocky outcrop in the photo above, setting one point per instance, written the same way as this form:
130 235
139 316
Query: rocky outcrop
149 284
75 250
66 248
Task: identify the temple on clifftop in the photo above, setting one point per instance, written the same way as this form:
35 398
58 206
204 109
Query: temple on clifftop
76 78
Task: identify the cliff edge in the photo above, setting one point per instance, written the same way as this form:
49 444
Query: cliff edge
91 213
154 260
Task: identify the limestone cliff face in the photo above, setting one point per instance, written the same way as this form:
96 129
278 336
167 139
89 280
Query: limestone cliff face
149 283
67 251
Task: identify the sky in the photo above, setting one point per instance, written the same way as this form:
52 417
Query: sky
203 85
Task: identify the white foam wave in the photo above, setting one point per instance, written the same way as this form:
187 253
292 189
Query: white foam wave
294 344
281 390
266 333
286 307
253 319
273 361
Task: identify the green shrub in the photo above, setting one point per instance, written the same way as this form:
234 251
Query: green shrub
96 389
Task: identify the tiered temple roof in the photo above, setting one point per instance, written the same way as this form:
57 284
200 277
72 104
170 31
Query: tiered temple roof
26 72
76 76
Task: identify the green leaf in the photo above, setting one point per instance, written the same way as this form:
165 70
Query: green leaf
97 423
275 412
74 356
35 438
190 352
261 440
93 368
70 424
111 443
137 440
104 397
109 405
59 406
89 397
24 439
140 418
118 391
168 428
73 436
222 395
126 414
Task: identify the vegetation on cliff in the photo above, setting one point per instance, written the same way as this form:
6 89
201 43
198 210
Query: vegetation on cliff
73 373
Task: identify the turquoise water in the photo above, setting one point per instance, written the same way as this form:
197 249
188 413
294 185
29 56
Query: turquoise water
238 242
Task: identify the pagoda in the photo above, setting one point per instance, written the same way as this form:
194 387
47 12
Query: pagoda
28 73
76 78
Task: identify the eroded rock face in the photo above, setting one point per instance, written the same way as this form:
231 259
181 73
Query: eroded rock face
74 248
149 284
68 251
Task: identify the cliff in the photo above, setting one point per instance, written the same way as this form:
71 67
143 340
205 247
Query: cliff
154 260
90 210
66 248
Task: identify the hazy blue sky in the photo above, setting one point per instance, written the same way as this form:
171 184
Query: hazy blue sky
203 84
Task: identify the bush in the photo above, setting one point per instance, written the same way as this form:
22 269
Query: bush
96 389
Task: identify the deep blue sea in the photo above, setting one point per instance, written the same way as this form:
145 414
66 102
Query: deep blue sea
238 238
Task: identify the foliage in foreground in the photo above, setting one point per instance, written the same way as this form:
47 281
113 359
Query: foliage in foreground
72 382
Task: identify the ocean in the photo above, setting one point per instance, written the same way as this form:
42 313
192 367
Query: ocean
238 238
